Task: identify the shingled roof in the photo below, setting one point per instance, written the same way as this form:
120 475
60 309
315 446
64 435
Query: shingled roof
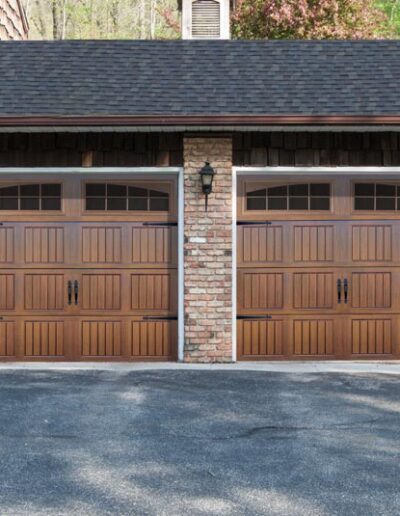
189 78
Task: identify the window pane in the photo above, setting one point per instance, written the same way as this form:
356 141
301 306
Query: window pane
298 190
366 203
277 203
95 189
51 190
156 193
298 203
366 189
320 190
29 203
51 203
385 203
159 204
118 203
260 193
138 204
385 190
256 203
116 190
137 192
9 204
29 190
9 191
95 204
320 203
277 191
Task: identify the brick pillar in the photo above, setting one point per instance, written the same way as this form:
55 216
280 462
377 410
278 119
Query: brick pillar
208 252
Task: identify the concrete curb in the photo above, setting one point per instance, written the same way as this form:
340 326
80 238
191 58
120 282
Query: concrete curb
349 367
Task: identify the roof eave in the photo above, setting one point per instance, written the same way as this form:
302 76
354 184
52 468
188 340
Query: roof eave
197 120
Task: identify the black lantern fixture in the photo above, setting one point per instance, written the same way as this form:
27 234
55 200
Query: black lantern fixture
207 175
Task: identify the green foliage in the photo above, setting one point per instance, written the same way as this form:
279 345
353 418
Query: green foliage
392 10
308 19
252 19
103 19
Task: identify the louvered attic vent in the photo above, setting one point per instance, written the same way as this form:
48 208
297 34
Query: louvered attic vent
206 19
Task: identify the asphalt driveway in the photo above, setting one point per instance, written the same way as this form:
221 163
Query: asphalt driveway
199 442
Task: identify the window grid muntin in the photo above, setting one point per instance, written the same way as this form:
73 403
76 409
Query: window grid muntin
145 198
286 197
21 197
377 199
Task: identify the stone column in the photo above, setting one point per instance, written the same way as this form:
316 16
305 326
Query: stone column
208 252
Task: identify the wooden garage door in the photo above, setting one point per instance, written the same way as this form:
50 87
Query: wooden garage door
318 268
88 269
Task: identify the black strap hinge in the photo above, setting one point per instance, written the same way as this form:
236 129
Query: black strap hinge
253 223
158 318
159 224
248 317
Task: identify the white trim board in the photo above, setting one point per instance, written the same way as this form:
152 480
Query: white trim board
311 171
90 170
133 171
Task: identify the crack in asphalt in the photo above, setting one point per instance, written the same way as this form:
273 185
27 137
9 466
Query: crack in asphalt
253 431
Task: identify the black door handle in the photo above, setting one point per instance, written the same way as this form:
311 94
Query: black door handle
69 289
76 291
346 290
339 291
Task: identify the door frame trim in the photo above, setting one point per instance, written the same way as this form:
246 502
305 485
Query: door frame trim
283 171
178 171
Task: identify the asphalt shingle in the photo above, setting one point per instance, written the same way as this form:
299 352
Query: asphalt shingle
200 78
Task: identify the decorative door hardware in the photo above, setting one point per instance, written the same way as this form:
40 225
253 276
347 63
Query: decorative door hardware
76 291
339 290
346 290
69 289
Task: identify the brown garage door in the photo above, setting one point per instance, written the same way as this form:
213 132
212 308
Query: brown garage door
88 269
318 268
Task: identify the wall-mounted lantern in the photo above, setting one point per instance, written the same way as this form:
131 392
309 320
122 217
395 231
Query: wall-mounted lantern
207 174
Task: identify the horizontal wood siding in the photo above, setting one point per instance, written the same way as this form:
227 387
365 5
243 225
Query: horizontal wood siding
105 150
316 149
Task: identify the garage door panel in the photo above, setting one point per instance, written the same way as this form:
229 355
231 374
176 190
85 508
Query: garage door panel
7 339
101 244
313 290
44 339
101 291
153 292
314 337
44 244
261 290
153 339
374 336
314 242
102 338
154 245
261 338
372 242
257 244
7 245
7 291
45 291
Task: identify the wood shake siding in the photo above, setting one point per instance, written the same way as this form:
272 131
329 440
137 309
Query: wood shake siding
98 150
316 149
